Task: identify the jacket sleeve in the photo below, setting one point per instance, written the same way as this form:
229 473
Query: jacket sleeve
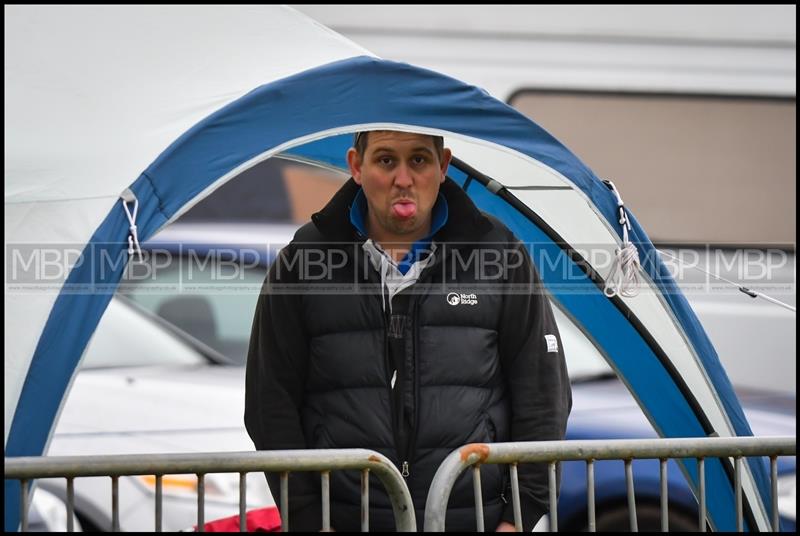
536 374
274 387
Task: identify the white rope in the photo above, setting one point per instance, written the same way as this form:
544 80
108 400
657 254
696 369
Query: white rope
623 280
133 238
742 288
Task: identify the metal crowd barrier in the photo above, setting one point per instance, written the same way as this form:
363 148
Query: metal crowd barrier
590 450
25 469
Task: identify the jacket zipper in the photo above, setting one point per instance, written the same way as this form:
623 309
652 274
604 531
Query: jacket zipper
390 388
412 439
402 447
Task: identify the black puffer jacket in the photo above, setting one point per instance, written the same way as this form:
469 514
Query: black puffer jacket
472 369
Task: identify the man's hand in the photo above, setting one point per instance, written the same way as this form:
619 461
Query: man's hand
505 526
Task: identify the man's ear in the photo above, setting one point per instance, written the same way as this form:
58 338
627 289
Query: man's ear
354 163
447 155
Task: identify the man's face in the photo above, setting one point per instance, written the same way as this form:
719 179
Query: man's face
400 173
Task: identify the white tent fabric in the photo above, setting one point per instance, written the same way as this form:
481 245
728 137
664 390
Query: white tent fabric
85 116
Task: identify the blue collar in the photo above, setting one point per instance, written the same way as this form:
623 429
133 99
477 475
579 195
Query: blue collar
358 214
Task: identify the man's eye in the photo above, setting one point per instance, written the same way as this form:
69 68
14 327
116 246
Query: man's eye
418 160
385 160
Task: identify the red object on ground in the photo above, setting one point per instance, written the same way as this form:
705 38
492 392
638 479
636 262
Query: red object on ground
261 520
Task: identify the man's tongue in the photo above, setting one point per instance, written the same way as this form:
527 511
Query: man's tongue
404 210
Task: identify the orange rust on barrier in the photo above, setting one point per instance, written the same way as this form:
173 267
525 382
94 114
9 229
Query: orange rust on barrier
479 449
374 459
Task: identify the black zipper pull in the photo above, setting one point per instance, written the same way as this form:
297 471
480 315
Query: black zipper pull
405 472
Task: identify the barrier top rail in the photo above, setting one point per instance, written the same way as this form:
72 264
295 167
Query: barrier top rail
475 454
23 468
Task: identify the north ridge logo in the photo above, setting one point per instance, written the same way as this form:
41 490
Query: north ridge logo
454 298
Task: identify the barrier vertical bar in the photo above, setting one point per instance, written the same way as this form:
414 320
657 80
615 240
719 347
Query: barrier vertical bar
590 494
476 487
631 496
201 502
326 501
70 504
664 495
242 502
365 500
114 504
159 502
285 501
553 497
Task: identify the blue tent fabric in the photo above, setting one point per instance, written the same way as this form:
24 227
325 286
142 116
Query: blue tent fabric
333 98
73 319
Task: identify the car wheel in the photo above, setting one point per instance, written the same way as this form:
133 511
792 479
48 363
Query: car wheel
648 519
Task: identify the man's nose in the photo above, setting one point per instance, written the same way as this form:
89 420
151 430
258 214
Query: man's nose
403 177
